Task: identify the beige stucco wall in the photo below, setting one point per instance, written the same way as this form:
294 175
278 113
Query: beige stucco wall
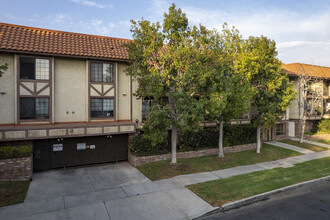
70 90
137 103
7 85
123 96
294 104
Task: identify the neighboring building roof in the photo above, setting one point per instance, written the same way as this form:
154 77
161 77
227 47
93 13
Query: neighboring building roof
22 39
306 69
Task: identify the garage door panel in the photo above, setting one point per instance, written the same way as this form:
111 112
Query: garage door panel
41 155
107 149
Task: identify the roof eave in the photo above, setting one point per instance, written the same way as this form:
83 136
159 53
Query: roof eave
63 55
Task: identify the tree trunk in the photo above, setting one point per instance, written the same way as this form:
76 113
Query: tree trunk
302 129
221 140
173 142
258 139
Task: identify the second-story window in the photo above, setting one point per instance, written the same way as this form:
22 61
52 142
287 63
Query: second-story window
34 68
102 107
34 108
102 72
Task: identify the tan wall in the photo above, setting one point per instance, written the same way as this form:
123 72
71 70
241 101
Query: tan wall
70 90
123 96
137 103
7 85
294 104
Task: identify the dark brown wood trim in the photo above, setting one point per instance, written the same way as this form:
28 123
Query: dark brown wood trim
101 97
107 91
103 118
26 88
34 88
102 83
63 125
131 97
34 120
102 93
34 94
89 89
116 82
91 86
43 88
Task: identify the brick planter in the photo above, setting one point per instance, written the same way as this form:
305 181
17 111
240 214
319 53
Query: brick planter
16 169
137 161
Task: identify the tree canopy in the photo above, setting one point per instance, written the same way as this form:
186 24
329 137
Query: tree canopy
190 70
170 61
272 89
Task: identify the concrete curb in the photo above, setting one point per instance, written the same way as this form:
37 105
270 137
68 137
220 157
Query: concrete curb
262 196
265 195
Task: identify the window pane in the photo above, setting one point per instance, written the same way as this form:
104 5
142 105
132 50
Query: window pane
96 72
146 107
96 107
42 69
27 68
107 72
102 107
108 107
27 108
280 129
42 109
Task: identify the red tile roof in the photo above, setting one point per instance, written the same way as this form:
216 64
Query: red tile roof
306 69
22 39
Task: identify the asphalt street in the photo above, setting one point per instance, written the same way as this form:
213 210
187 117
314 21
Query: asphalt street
307 202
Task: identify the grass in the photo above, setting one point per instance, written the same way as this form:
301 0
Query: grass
164 169
219 192
324 141
305 145
13 192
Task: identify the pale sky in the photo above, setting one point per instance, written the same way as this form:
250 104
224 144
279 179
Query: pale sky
301 29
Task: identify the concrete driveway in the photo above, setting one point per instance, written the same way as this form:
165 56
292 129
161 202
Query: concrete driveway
81 180
110 191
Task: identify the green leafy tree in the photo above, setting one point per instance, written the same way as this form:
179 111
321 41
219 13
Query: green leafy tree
272 89
168 62
3 68
227 91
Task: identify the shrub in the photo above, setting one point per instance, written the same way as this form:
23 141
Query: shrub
239 134
7 152
141 147
209 137
324 126
206 138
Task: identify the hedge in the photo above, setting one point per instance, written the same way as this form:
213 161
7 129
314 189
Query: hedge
8 152
206 138
324 126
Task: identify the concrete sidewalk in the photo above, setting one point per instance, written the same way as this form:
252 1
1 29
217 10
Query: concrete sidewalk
312 142
163 199
290 147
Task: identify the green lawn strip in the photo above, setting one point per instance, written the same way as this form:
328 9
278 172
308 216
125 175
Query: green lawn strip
324 141
222 191
305 145
164 169
13 192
